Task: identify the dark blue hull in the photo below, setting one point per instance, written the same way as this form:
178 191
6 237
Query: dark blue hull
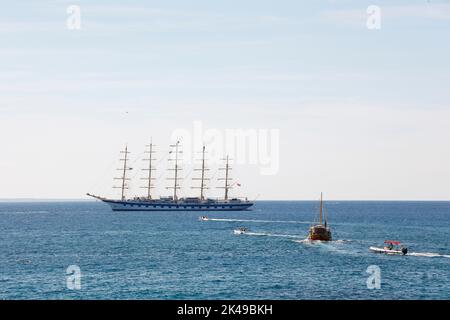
135 205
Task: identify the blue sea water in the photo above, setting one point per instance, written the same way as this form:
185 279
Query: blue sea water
173 255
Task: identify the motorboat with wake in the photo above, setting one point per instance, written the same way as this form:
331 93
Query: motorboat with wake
241 230
391 247
203 218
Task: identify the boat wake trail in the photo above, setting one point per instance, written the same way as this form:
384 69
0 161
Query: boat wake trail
303 241
272 235
28 212
335 246
428 254
307 241
258 221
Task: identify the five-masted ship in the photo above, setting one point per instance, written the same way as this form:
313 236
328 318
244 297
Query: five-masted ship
320 231
173 202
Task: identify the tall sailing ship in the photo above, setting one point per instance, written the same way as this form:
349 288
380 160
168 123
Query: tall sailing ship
320 231
173 202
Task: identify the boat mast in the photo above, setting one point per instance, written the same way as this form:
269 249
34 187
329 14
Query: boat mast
203 178
175 178
149 169
226 179
321 208
326 217
124 173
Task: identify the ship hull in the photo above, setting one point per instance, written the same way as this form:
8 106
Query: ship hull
319 238
320 233
117 205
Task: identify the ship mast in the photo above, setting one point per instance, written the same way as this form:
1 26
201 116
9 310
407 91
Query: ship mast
226 179
149 169
321 208
203 173
202 178
124 173
176 168
326 217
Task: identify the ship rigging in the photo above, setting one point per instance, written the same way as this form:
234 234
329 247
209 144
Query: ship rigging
173 202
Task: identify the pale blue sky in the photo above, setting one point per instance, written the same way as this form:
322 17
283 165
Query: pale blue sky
362 114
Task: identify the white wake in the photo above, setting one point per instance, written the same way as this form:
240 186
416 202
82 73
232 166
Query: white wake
428 254
272 235
257 221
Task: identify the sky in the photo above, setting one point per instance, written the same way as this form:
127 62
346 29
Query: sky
320 99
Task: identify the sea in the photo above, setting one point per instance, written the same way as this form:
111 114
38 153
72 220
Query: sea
83 250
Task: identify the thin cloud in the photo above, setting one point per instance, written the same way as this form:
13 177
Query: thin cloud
425 11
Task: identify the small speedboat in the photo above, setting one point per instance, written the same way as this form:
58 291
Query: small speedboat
203 218
240 230
392 247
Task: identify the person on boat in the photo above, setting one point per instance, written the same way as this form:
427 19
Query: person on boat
390 246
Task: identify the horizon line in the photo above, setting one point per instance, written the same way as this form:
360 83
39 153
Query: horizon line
30 199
